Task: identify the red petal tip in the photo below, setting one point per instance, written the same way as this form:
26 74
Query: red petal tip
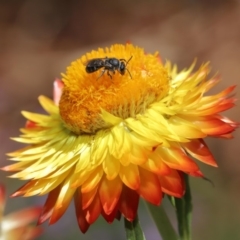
16 194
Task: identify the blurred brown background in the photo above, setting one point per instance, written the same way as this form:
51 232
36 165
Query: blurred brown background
38 39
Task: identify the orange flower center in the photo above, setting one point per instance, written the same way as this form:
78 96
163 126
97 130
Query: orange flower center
85 94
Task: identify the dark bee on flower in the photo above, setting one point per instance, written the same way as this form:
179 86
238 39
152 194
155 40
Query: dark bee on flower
109 65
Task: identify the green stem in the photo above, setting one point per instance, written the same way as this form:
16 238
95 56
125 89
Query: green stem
162 222
184 212
133 229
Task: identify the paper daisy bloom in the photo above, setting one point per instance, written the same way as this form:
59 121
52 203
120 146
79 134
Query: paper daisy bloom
16 226
118 134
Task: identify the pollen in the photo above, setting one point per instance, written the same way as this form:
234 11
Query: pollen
86 95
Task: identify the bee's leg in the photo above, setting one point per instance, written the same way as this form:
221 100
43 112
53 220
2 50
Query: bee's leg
103 71
109 74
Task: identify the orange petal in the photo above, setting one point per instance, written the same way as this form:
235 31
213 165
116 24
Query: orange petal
64 198
199 150
82 177
128 203
217 103
110 217
150 188
228 121
218 107
2 198
82 222
49 205
93 180
196 174
25 188
109 193
176 158
88 197
130 176
173 184
214 126
156 165
94 210
30 124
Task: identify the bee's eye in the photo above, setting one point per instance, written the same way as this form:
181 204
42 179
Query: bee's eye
122 67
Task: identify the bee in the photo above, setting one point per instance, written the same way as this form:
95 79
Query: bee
108 65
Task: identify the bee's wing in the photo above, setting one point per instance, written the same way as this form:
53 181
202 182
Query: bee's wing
96 61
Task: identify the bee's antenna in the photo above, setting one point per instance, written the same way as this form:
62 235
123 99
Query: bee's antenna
129 61
127 64
129 73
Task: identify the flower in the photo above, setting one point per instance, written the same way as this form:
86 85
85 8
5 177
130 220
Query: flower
113 137
15 226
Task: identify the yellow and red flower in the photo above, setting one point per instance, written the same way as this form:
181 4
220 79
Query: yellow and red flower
16 226
106 142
